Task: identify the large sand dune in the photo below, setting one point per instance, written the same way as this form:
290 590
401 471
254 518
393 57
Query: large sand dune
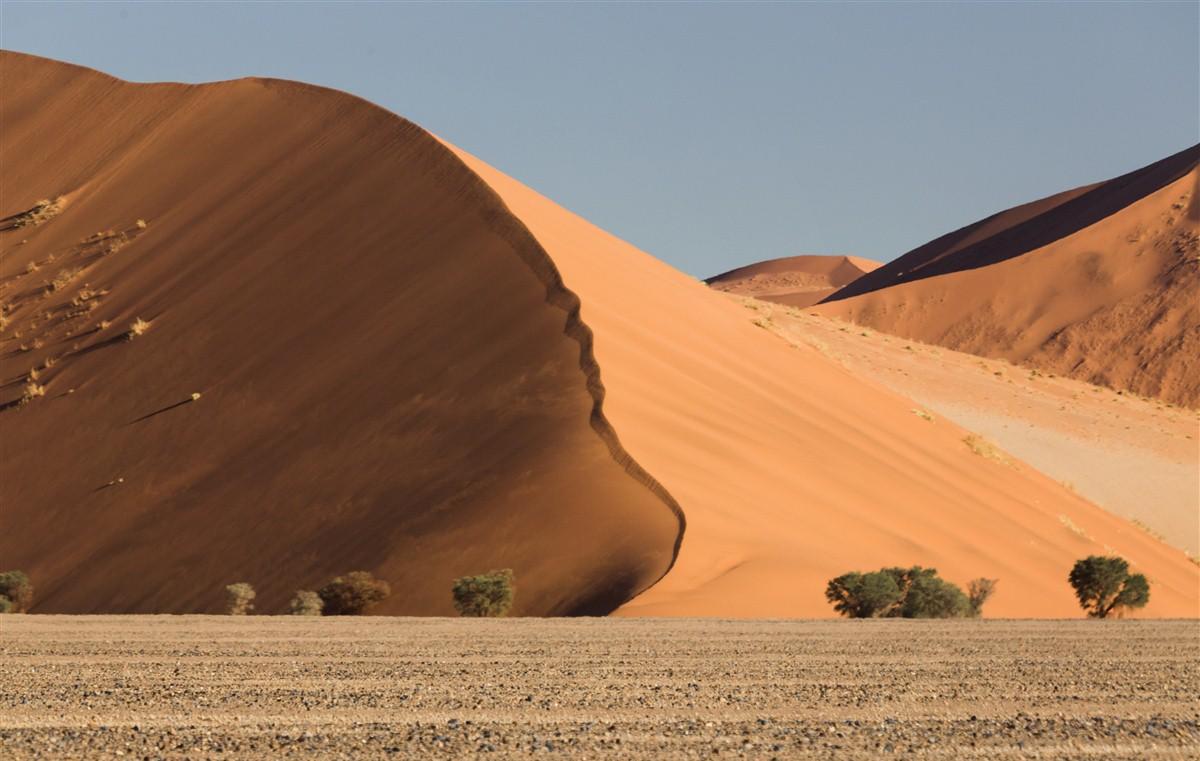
392 375
797 281
791 470
396 375
1098 283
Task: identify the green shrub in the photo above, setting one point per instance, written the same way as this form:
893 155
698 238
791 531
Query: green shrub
897 593
978 592
864 595
239 599
352 594
306 603
487 595
1104 585
928 596
16 589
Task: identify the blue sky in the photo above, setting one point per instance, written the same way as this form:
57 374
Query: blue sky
714 134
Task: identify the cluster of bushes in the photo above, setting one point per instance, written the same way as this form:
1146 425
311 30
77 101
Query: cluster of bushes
16 592
1103 586
905 593
488 594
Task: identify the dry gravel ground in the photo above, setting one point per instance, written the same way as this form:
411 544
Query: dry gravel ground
222 687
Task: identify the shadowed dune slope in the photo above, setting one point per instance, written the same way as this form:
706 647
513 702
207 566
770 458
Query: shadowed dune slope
791 470
1098 283
392 375
797 281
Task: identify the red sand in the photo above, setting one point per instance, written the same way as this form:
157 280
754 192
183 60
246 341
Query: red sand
395 378
798 281
1098 283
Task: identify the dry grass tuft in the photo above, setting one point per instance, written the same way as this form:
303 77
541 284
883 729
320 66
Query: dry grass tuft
922 414
136 328
42 211
1070 524
63 278
31 391
984 448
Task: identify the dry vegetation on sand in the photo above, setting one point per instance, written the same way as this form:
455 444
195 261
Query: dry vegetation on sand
308 687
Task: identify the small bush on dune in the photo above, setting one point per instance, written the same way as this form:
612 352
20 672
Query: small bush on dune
897 593
239 599
16 592
488 595
306 603
978 592
1104 586
352 594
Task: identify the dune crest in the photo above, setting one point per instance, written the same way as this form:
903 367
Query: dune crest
796 281
1097 283
391 374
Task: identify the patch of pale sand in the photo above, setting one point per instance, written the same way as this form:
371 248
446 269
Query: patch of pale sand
1134 483
1137 458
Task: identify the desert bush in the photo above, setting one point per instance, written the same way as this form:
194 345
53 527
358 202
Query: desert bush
864 595
30 391
978 592
16 592
487 595
897 593
239 599
352 594
929 596
136 328
306 603
1104 585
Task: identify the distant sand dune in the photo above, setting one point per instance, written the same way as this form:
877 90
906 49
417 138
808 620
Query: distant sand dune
797 281
1098 283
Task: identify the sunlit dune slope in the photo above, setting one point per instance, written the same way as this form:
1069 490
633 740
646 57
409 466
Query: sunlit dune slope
1098 283
790 470
797 281
392 376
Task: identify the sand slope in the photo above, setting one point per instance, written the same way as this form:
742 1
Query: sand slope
1133 457
1098 283
393 378
797 281
791 470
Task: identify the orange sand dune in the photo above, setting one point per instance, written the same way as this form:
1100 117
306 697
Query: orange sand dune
396 375
1098 283
393 377
797 281
791 470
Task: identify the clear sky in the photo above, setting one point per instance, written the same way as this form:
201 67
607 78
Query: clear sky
714 134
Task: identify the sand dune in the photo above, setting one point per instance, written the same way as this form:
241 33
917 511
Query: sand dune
1133 457
392 376
790 469
396 375
797 281
1098 283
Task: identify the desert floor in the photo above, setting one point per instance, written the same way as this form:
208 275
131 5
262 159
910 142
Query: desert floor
224 687
1134 457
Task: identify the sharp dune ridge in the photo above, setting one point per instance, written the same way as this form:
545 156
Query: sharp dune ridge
399 352
596 595
1096 283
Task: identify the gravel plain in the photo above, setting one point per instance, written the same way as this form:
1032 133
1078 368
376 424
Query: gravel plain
279 687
